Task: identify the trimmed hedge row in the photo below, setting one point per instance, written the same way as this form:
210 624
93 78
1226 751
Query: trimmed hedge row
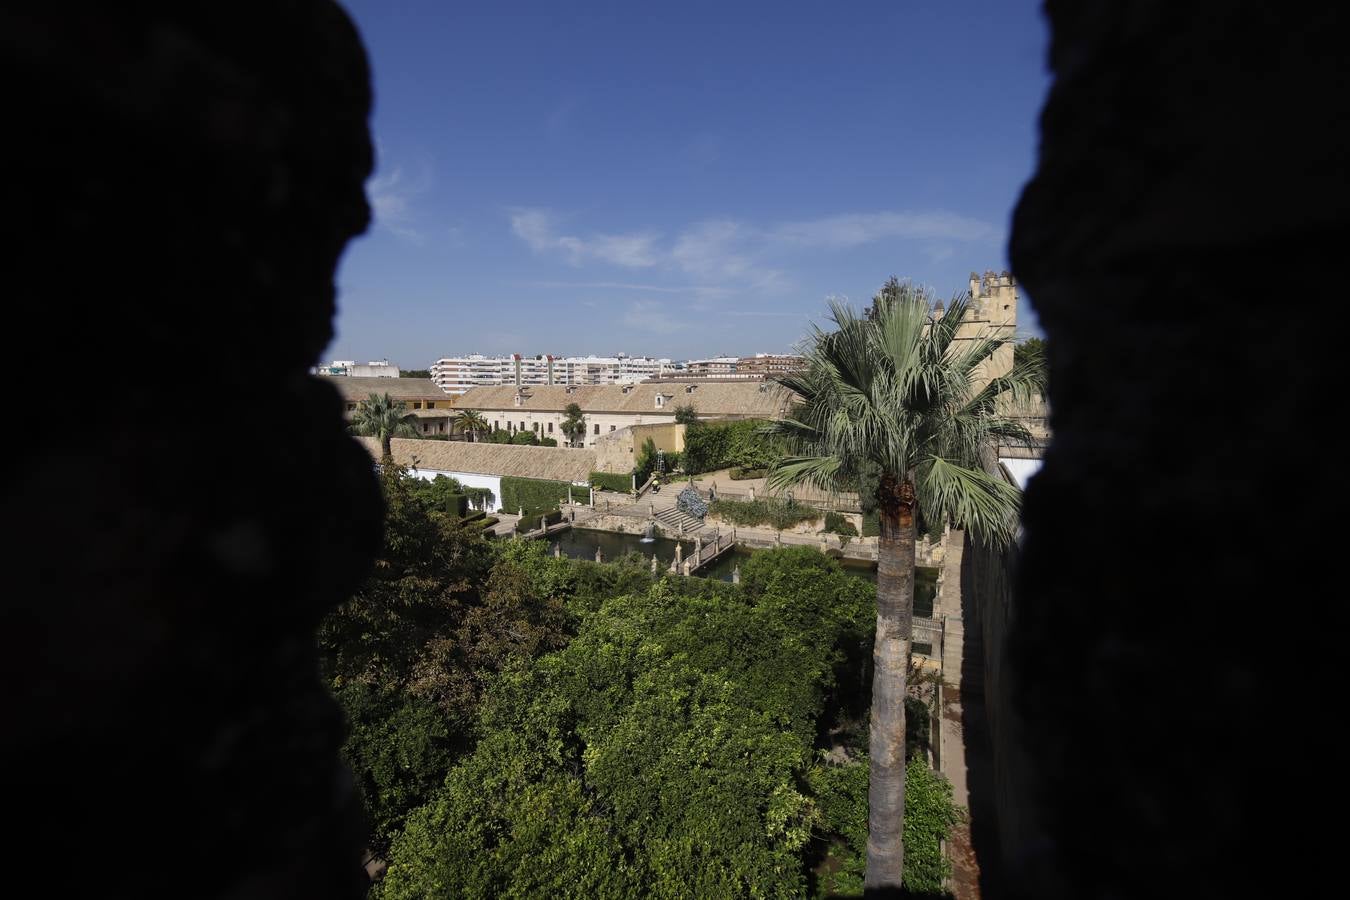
535 495
612 481
763 512
538 520
871 524
838 523
739 474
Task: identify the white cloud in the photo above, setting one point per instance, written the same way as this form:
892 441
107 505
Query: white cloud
535 227
647 315
727 256
391 197
856 229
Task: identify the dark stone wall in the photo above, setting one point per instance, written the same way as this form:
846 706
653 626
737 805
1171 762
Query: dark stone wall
1181 238
182 180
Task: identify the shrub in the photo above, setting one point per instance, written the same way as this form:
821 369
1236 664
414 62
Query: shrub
553 517
489 522
841 798
612 481
529 523
838 523
525 437
739 474
456 505
742 444
773 512
536 495
691 503
871 524
548 442
479 497
474 516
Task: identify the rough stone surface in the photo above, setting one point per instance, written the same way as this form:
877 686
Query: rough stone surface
183 179
1182 234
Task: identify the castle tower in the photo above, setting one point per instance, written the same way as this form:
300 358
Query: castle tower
993 313
993 299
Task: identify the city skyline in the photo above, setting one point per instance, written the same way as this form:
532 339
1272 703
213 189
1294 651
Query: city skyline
679 182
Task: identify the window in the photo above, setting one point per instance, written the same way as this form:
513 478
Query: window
550 427
426 428
431 404
522 426
611 428
417 404
597 428
534 426
660 401
496 424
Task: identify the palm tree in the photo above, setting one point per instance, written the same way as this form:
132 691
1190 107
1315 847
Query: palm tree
573 423
892 391
384 418
472 423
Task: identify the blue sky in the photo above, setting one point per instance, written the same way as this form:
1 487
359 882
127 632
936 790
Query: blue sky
678 179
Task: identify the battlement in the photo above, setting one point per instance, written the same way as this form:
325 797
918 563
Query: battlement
993 297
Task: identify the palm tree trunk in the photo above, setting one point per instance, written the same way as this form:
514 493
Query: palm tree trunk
386 448
890 659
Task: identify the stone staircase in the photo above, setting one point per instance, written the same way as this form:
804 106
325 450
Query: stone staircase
673 517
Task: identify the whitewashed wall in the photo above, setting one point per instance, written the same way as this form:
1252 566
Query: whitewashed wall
468 479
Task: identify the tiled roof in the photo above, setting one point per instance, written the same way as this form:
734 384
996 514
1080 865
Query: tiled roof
765 399
398 388
554 463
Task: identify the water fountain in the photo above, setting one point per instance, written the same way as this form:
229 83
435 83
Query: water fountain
649 533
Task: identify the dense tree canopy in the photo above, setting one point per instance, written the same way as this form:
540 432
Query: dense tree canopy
524 725
661 753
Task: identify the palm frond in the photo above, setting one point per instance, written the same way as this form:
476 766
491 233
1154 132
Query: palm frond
818 471
969 497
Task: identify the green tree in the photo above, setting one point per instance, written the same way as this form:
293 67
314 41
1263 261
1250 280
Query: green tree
573 423
415 373
685 415
894 388
384 418
472 423
1028 349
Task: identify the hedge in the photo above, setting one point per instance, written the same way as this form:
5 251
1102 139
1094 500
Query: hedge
871 524
538 520
456 505
612 481
838 523
535 495
487 523
763 512
742 444
739 474
474 516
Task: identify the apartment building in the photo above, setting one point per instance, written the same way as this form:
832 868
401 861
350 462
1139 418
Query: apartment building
457 374
379 368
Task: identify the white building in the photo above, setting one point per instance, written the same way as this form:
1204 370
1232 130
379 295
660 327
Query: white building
608 408
457 374
484 465
379 368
